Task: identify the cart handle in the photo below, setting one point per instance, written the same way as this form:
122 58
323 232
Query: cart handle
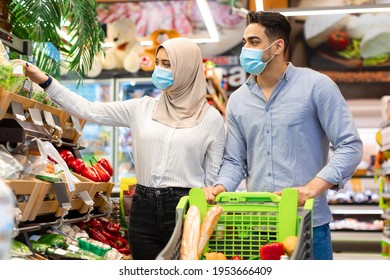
248 197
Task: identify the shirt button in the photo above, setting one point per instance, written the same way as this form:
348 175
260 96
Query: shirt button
269 174
268 153
268 131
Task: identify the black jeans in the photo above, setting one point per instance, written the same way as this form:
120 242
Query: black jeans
152 220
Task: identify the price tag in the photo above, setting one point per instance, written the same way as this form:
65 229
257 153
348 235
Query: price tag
76 124
27 85
84 195
49 118
18 70
36 116
17 110
62 195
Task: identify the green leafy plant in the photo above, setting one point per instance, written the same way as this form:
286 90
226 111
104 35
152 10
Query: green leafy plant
72 47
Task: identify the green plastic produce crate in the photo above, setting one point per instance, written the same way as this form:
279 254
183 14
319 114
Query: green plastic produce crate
249 220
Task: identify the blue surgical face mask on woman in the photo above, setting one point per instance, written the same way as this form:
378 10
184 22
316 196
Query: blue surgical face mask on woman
162 78
251 60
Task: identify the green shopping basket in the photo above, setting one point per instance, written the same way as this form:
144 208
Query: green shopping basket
249 220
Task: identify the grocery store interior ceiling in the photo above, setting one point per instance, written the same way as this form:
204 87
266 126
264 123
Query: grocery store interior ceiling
309 7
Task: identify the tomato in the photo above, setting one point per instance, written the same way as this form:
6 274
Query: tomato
338 40
235 258
272 251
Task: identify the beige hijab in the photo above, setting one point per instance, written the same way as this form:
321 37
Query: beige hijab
184 103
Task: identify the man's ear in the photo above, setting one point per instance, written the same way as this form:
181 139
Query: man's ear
279 46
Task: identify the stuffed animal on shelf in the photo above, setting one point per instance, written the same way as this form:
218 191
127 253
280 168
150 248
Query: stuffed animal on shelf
125 52
157 37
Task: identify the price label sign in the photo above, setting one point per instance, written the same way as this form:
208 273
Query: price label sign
36 116
76 124
17 110
62 195
84 195
49 118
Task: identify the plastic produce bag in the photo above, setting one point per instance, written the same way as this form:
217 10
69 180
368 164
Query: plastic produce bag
47 149
10 168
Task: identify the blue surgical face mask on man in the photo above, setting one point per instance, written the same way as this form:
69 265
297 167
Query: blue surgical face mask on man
251 60
162 78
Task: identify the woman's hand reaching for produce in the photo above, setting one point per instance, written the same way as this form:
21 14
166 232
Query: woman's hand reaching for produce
33 72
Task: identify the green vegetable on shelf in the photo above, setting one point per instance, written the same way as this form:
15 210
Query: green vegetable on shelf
8 81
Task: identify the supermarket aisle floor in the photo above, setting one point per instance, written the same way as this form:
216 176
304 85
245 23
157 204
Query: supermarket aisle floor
359 256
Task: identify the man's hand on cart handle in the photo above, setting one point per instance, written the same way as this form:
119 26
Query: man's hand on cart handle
311 190
212 192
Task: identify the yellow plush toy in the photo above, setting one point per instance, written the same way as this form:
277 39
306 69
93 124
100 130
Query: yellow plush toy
125 54
157 37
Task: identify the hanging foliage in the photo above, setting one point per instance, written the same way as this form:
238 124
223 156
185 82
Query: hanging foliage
69 27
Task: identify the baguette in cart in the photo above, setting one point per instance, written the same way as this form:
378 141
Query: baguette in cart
248 221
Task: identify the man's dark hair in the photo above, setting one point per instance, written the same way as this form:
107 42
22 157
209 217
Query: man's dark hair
277 26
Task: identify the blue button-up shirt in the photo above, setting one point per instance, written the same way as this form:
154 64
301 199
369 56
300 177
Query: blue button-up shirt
284 142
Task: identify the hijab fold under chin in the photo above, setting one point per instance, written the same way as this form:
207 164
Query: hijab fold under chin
184 103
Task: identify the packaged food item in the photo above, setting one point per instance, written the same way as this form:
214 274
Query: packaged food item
11 76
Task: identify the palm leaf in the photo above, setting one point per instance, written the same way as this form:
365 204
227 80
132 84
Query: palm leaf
40 21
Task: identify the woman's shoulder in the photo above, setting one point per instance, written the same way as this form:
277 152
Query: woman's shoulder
143 101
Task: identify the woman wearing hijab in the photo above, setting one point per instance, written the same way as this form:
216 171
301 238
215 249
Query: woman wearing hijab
178 140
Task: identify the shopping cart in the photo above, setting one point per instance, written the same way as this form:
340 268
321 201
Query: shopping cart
249 220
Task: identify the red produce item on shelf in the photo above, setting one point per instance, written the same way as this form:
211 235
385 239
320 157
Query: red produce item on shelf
94 233
124 250
94 223
76 164
103 174
271 251
106 165
110 226
91 173
235 258
117 239
66 155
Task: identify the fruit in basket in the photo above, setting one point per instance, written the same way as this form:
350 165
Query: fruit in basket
272 251
215 256
289 243
235 258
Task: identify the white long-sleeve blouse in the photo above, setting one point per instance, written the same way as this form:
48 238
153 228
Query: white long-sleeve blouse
164 156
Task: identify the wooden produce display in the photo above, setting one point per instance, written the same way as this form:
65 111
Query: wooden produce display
38 198
28 194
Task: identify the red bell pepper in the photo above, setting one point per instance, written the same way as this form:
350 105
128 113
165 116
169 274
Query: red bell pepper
110 226
106 165
117 239
125 250
91 173
66 155
104 175
76 164
94 223
94 233
271 251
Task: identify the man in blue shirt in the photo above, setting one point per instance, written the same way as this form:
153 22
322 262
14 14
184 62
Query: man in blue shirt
281 123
